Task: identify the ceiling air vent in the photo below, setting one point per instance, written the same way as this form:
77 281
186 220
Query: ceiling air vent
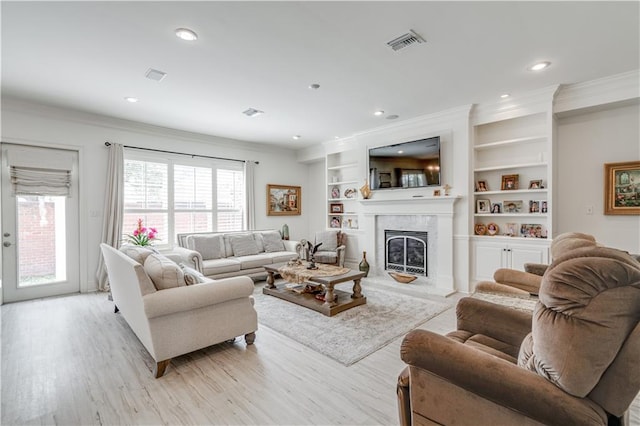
252 112
155 75
405 40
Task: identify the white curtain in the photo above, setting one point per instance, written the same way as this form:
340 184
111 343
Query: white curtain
249 172
113 209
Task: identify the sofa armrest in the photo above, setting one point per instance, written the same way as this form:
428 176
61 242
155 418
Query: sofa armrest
184 298
341 254
499 322
292 245
536 268
497 380
518 279
184 255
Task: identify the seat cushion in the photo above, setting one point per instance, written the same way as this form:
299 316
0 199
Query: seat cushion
220 266
164 273
326 256
209 246
243 245
253 261
486 344
281 256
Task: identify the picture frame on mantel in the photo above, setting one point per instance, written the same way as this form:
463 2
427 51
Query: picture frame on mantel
284 200
622 188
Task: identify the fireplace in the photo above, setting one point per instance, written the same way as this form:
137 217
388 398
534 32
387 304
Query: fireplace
406 251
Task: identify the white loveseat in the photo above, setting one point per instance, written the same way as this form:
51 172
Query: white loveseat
220 255
170 317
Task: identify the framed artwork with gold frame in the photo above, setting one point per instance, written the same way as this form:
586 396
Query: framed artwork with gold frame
283 200
622 188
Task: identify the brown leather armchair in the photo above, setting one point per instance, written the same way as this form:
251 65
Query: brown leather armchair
528 281
573 362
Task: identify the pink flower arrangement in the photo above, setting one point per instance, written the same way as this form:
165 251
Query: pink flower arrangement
142 236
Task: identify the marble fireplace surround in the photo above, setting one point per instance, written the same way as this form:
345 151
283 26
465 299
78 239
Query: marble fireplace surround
433 214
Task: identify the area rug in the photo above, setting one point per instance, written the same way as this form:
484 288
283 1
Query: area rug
353 334
520 303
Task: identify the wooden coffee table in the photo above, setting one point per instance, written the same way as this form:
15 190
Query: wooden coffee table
335 301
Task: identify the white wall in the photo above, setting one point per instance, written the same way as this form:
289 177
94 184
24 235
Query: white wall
27 123
585 141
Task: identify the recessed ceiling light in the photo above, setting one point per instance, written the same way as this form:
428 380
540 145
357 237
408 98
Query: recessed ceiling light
378 113
252 112
392 117
505 95
296 137
337 137
314 86
400 152
186 34
131 99
539 66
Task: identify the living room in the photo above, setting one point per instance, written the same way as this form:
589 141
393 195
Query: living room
591 121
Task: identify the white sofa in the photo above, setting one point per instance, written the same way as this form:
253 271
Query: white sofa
171 318
229 254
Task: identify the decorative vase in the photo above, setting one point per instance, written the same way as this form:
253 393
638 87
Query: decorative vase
364 265
365 190
285 232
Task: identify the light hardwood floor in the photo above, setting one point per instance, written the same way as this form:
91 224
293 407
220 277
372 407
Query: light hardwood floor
72 361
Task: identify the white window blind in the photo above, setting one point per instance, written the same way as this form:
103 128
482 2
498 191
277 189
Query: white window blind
176 194
28 177
27 181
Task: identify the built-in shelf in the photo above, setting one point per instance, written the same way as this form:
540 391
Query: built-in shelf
497 144
343 182
511 191
510 166
342 166
496 215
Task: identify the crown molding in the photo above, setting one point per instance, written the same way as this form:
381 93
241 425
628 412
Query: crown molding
50 111
536 101
607 90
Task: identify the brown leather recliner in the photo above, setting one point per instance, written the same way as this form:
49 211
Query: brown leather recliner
573 362
513 281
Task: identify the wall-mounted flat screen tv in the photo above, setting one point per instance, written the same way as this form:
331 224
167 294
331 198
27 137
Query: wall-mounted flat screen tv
411 164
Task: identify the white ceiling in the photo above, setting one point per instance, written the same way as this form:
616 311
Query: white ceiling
91 55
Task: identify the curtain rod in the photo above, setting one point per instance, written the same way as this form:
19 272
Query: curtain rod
181 153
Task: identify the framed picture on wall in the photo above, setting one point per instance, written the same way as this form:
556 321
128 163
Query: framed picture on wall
622 188
283 200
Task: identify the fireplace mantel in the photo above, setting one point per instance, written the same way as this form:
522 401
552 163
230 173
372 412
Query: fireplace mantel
409 206
440 207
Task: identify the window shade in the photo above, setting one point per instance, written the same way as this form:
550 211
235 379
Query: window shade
32 181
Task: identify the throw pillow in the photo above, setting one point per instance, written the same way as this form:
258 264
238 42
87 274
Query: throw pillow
243 245
272 242
163 272
329 240
209 246
191 276
137 253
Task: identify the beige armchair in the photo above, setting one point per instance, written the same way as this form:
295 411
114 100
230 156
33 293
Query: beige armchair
332 250
170 317
574 362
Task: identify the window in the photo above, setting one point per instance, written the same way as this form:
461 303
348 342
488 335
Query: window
177 195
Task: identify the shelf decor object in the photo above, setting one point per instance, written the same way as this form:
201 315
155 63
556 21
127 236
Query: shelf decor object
284 200
509 182
402 277
336 208
365 190
622 188
492 229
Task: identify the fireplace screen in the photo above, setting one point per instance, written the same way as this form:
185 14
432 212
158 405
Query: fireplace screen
406 251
